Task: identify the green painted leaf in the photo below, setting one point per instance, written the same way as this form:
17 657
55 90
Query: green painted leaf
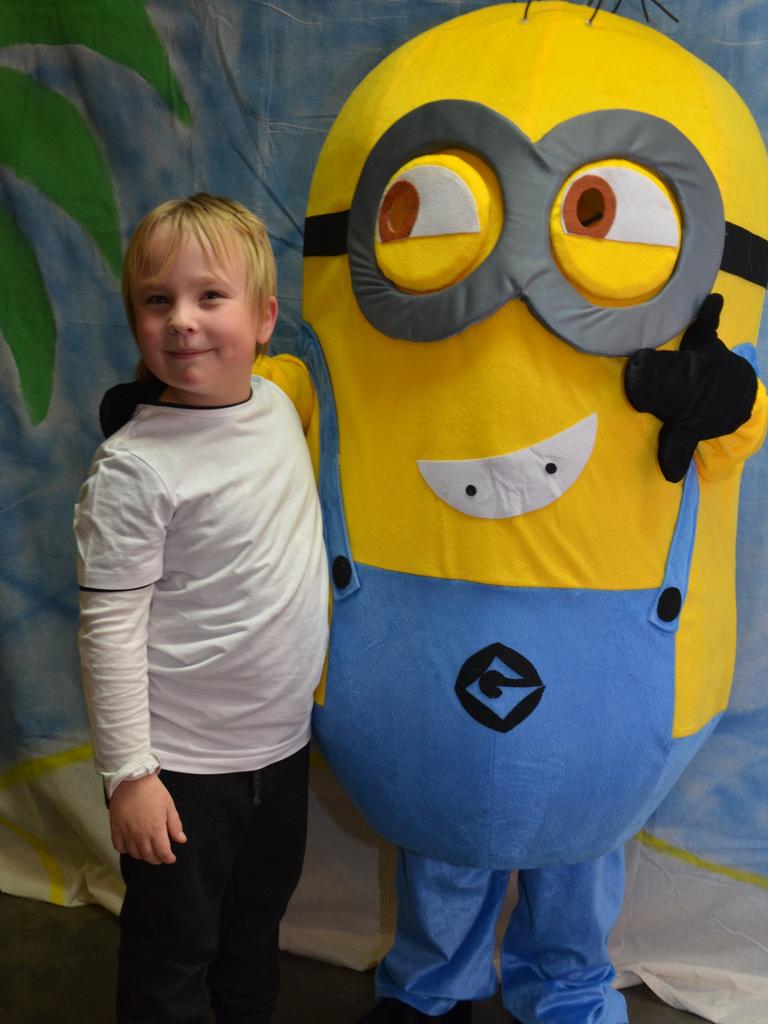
46 141
117 29
26 318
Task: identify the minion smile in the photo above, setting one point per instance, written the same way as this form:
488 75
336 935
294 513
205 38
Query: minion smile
503 486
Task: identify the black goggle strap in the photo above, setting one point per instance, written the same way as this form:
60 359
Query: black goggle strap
325 234
744 254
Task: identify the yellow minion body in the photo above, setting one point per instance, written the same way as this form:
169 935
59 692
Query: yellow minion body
507 383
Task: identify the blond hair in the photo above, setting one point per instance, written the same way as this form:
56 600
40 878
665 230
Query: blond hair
222 227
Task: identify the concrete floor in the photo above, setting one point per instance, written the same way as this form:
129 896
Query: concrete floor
57 966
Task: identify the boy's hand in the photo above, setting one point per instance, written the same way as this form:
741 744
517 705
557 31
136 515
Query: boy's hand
143 820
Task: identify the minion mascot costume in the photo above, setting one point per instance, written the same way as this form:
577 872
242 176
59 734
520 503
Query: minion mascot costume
536 259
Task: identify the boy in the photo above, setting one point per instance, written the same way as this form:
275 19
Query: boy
203 625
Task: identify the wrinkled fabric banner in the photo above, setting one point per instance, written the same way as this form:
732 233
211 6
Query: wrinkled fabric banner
108 107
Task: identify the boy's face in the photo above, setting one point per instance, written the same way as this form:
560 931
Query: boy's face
196 325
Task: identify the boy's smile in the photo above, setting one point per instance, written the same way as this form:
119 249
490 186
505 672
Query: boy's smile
198 325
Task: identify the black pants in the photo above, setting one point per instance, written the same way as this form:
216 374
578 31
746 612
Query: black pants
213 916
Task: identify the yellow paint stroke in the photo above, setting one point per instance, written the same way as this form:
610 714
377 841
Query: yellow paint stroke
25 772
55 874
749 877
38 766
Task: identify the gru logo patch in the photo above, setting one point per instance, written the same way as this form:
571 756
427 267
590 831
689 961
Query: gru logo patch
498 687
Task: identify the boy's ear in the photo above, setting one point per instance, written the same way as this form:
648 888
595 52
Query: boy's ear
267 321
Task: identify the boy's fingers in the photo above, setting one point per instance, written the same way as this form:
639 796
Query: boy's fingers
161 848
148 851
175 828
146 848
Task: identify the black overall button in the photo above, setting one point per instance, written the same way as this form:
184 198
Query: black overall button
341 572
669 604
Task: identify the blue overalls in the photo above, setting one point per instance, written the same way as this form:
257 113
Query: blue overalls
484 728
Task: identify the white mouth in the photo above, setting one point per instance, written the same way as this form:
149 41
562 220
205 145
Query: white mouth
509 485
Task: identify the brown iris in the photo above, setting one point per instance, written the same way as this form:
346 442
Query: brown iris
398 212
589 207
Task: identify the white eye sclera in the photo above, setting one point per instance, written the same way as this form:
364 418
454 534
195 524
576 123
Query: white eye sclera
424 201
620 205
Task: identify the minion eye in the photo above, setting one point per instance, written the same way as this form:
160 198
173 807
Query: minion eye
425 201
621 205
438 219
616 233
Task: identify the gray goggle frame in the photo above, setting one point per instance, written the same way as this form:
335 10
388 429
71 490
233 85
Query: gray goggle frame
530 176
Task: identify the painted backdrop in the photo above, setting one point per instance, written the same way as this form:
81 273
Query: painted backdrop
108 107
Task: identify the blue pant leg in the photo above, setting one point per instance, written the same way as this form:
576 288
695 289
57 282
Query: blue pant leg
555 967
443 950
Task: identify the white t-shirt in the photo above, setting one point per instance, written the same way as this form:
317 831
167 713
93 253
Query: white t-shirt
218 508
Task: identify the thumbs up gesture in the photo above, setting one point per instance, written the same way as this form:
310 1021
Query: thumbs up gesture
702 390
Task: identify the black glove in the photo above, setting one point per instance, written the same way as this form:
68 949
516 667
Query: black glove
118 403
703 390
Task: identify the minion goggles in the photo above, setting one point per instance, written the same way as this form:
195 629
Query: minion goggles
520 265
